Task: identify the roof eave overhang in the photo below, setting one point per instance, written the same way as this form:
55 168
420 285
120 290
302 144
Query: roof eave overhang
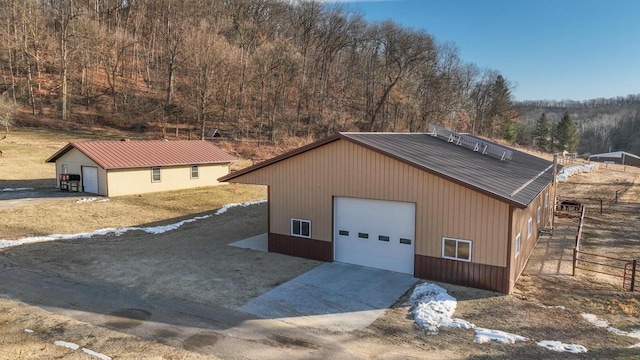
176 164
59 153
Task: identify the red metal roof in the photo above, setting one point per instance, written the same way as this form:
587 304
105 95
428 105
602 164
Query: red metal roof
133 154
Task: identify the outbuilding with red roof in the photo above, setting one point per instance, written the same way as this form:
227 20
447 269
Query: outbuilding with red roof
115 168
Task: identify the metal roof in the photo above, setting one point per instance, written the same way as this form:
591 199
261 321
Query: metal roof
146 153
517 181
615 154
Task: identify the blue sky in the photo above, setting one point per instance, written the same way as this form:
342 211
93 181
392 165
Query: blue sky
549 49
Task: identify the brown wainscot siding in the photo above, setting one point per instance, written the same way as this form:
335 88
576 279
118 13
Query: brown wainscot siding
481 276
301 247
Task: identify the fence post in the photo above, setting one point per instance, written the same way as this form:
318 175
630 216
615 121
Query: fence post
600 206
633 274
575 260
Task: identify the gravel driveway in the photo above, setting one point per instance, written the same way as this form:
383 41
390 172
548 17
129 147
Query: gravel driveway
17 198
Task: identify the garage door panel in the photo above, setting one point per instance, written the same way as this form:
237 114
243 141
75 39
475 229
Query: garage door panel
393 220
90 179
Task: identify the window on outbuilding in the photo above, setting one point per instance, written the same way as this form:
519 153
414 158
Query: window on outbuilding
65 169
518 241
538 215
194 171
529 227
301 228
155 174
456 249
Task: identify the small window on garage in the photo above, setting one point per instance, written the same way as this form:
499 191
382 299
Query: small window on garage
529 227
538 215
383 238
518 241
456 249
546 200
343 232
155 174
301 228
194 171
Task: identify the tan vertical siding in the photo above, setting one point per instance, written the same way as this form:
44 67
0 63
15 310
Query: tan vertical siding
520 218
75 160
303 186
138 180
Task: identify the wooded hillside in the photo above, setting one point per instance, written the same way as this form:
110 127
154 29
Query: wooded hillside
603 124
265 69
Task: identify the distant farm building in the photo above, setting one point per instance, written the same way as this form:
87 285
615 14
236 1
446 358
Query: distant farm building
115 168
442 206
617 157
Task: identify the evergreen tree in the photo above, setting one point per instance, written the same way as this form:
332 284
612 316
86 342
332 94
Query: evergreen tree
542 133
501 110
567 134
509 132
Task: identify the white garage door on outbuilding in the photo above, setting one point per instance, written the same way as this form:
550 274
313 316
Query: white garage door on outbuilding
375 233
90 179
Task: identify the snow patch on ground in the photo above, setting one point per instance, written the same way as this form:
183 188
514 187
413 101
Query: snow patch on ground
17 189
95 354
562 347
486 335
601 323
68 345
432 307
224 209
89 200
119 231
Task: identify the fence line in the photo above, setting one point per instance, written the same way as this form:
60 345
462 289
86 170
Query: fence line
626 269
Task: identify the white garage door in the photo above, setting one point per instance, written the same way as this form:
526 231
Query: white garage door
375 233
90 179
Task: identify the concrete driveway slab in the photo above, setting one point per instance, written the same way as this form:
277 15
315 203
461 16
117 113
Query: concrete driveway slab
258 243
333 296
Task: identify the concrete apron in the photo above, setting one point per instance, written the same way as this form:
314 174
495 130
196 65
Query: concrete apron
333 296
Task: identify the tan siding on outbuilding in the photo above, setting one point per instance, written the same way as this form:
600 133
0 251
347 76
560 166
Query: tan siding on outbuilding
303 187
138 181
75 160
118 182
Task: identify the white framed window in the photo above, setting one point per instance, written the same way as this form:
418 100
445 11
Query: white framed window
300 228
155 174
529 227
456 249
518 243
194 171
546 200
538 215
65 169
